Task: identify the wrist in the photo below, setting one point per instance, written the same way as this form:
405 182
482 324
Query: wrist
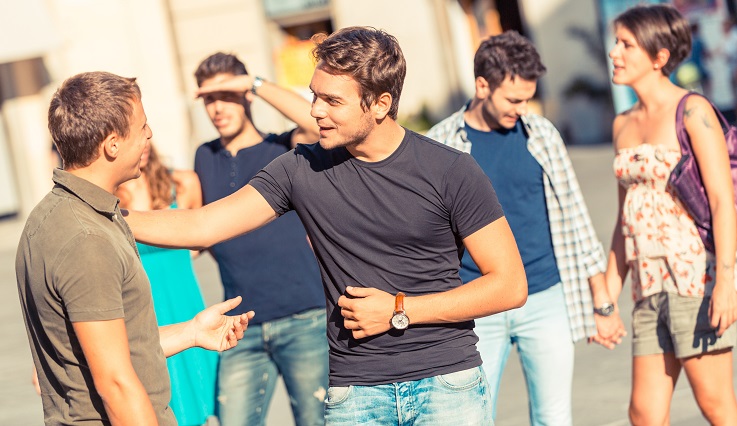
604 309
257 83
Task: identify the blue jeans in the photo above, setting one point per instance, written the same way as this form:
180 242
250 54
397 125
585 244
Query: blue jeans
295 347
460 398
543 336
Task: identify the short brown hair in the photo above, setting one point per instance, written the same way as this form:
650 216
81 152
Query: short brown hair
659 26
219 63
507 55
86 109
371 57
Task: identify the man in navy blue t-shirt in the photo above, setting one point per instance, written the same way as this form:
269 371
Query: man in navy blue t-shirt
528 164
388 213
273 268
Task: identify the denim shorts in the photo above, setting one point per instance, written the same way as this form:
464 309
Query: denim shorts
459 399
668 322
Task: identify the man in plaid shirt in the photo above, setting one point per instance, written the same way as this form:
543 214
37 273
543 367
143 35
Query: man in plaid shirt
524 156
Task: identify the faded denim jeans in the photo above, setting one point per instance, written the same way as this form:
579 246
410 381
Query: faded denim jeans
295 347
458 399
542 334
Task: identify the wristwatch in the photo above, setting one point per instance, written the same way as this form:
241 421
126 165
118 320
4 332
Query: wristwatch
400 320
257 82
605 309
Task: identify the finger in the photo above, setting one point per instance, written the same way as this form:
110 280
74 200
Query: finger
348 314
227 305
359 291
343 301
350 324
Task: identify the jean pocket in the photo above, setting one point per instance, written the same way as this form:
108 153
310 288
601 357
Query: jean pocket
461 380
338 394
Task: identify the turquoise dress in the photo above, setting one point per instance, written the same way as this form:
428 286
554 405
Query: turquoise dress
177 298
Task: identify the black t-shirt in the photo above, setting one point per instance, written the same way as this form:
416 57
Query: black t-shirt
396 225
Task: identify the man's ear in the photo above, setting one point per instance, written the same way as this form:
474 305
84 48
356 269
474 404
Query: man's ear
111 145
482 88
382 105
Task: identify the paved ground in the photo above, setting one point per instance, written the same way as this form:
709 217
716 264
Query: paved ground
601 382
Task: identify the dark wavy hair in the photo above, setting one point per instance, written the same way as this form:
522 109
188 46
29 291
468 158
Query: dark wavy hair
371 57
219 63
507 55
659 26
85 110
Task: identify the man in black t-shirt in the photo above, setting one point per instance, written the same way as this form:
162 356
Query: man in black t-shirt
273 268
388 213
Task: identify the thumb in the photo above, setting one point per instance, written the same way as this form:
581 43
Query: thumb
227 305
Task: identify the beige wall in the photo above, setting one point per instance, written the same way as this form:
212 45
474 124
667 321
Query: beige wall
548 23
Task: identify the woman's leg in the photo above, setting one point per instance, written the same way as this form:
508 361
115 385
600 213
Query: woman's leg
653 380
710 376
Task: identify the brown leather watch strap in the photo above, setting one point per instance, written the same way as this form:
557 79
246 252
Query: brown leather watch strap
399 302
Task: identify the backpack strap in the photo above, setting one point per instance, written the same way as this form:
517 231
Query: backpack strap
681 132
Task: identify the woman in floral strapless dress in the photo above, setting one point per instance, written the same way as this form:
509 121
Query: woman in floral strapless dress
685 298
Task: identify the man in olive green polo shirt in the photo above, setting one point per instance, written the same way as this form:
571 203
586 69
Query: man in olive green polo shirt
85 296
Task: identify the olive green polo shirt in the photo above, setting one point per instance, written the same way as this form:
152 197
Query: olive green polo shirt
77 262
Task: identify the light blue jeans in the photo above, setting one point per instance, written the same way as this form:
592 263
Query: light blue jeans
458 399
542 333
295 347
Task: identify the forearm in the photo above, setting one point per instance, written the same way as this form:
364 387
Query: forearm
174 228
126 401
617 266
175 338
599 290
484 296
201 228
291 105
725 241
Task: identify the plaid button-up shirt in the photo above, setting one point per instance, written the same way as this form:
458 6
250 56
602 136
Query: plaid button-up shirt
578 252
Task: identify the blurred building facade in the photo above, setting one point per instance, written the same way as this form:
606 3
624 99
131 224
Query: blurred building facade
161 42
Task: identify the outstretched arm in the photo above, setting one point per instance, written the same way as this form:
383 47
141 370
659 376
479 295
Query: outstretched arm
502 286
210 329
288 103
196 229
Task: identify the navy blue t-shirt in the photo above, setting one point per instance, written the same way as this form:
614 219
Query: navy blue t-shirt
273 267
518 181
396 225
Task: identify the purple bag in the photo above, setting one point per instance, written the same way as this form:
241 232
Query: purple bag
685 180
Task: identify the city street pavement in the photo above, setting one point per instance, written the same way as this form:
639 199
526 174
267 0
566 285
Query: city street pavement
602 377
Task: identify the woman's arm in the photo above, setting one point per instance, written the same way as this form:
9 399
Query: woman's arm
189 191
617 266
710 151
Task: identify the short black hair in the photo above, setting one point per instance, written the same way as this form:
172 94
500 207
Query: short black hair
507 55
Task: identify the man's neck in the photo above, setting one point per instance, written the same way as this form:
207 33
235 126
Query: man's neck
249 137
383 140
99 176
474 116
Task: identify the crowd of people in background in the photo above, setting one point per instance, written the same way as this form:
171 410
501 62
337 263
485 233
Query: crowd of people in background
391 273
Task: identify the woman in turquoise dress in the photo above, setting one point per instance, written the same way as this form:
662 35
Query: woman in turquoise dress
174 287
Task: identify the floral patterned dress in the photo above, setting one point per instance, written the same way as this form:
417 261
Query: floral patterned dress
662 246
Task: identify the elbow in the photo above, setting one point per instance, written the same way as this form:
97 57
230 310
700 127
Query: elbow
519 298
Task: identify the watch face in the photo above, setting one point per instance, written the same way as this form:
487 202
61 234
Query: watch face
400 321
605 310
